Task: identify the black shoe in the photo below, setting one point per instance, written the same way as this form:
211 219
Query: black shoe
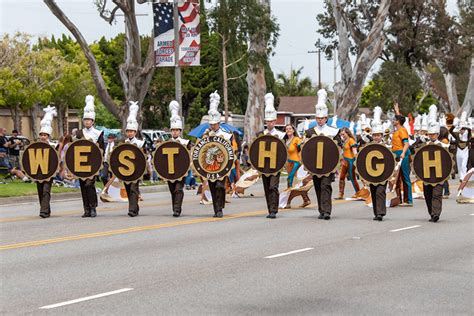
379 218
376 218
93 212
327 216
218 214
132 214
321 216
272 215
435 218
87 213
44 215
176 214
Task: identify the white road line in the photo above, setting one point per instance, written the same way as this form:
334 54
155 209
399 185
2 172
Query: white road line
288 253
472 214
404 228
85 298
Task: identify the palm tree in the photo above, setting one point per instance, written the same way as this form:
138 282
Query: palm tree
292 85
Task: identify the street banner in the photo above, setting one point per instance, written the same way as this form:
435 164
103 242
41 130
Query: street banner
127 162
40 161
171 161
268 154
375 163
83 159
432 164
189 34
320 155
213 158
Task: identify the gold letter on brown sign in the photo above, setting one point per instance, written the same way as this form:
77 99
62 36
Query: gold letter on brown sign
319 155
126 162
170 152
79 159
39 158
379 168
270 154
435 163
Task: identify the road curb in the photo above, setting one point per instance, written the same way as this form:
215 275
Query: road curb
70 196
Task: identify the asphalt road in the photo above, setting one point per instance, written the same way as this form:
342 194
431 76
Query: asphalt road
241 264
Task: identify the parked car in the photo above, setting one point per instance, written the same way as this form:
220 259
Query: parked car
25 141
157 134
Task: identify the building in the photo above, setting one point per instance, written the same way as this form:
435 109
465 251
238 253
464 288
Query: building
293 110
72 120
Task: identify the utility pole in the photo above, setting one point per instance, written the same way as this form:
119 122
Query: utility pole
177 69
334 86
318 45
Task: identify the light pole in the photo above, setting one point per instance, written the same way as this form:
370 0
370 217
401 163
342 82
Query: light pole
177 69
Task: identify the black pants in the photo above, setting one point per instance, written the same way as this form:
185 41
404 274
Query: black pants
132 192
218 194
270 186
433 198
177 194
378 194
89 196
324 193
104 173
44 195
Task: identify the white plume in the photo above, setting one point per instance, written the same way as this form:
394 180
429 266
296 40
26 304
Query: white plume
432 113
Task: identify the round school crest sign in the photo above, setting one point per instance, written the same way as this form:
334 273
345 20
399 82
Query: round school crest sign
213 158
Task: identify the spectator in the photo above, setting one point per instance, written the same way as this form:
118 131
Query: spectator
74 133
63 146
14 149
4 161
190 181
105 174
244 157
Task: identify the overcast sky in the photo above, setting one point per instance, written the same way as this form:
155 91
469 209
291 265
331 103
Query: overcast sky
297 19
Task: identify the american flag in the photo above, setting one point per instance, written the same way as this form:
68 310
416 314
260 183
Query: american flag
163 17
189 35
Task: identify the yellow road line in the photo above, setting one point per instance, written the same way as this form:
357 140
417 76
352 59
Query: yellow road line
137 229
79 212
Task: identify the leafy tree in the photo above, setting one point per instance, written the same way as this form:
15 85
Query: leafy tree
261 30
196 111
135 71
355 28
292 85
105 118
33 76
394 82
75 81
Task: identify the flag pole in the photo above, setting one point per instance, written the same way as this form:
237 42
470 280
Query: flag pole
177 69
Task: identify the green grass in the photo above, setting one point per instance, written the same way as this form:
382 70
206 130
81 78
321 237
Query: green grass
19 188
16 188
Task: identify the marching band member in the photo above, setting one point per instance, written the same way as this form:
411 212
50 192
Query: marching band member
322 185
293 144
133 190
44 188
418 138
176 187
217 188
378 192
347 162
271 182
363 132
400 148
434 194
462 138
89 132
